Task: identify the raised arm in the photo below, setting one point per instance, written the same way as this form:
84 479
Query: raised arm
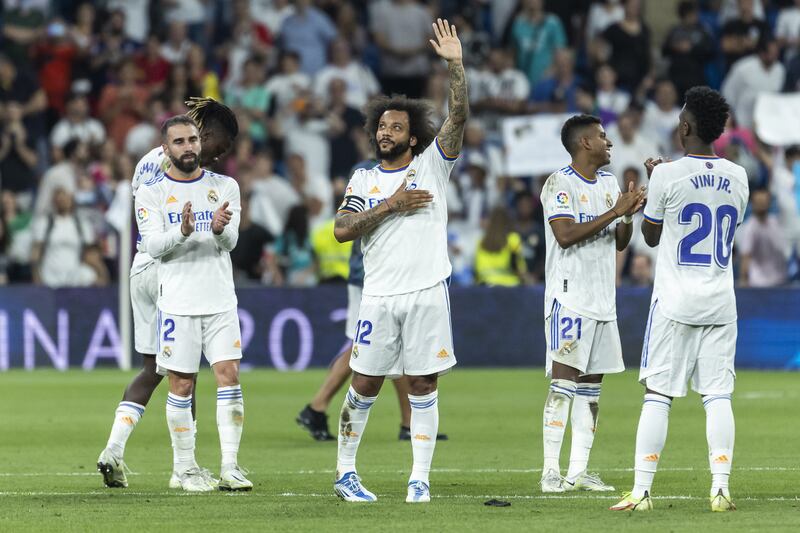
448 47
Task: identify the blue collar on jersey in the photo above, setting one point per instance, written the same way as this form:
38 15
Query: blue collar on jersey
391 170
581 176
696 156
198 178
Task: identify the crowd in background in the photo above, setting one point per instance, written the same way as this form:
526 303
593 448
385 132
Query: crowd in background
84 87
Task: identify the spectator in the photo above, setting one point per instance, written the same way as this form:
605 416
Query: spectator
83 35
190 13
631 146
136 17
785 187
753 75
248 255
641 271
475 142
308 137
23 23
661 115
344 125
272 197
401 29
17 224
110 50
315 191
250 100
308 32
292 263
500 90
629 40
348 25
154 68
688 47
611 100
18 157
763 245
360 81
331 256
499 260
62 254
177 45
741 36
601 15
787 30
18 86
122 105
528 223
77 124
288 84
62 176
54 56
469 192
536 35
556 93
272 13
206 81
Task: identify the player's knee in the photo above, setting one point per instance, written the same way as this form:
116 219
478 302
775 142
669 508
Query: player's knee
422 385
181 384
367 385
227 373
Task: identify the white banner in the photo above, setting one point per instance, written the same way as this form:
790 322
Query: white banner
533 144
777 117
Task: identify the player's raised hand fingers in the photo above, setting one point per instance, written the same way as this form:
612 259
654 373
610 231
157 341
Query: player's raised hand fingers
224 206
434 44
437 31
453 31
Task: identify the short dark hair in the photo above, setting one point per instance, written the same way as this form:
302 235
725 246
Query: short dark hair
710 112
685 7
207 112
573 126
419 119
184 120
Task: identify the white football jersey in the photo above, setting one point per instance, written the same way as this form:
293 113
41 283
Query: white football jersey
407 252
194 273
152 164
582 277
699 201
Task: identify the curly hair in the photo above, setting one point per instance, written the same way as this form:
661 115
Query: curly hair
419 119
206 111
709 110
572 127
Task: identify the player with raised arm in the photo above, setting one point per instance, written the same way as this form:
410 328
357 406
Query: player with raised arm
398 209
582 205
218 129
189 221
693 208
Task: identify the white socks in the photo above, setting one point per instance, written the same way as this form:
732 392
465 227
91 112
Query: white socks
424 427
230 418
125 419
585 408
720 430
181 431
650 438
556 413
352 421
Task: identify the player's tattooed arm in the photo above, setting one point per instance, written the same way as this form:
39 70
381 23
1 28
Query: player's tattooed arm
448 46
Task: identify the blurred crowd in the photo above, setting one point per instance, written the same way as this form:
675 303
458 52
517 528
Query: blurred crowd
84 87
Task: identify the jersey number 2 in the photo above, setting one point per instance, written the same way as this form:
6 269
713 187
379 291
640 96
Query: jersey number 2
169 324
723 235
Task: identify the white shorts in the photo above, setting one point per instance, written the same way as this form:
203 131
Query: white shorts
144 295
181 340
591 346
404 334
674 353
353 304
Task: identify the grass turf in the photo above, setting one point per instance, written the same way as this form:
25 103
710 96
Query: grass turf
53 426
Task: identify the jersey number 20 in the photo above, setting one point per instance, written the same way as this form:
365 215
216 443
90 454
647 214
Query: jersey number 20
723 235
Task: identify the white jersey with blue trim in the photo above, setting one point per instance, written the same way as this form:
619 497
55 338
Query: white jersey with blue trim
407 252
582 277
153 164
194 273
699 201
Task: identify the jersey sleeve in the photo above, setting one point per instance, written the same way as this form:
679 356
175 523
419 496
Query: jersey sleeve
354 195
230 234
156 240
656 199
440 161
558 199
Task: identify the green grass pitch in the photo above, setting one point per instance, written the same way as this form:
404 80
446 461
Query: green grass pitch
53 426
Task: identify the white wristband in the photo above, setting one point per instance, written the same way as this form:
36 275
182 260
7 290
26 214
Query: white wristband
627 219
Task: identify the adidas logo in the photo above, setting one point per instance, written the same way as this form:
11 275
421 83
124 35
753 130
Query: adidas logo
237 344
442 354
419 436
375 190
722 459
181 429
172 200
556 424
128 420
584 199
652 458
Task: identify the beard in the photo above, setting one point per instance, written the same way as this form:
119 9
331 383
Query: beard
186 164
395 151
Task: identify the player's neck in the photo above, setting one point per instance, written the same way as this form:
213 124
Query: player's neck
177 175
699 148
585 168
399 162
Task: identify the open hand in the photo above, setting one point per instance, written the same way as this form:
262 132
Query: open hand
447 44
629 202
187 219
408 200
221 219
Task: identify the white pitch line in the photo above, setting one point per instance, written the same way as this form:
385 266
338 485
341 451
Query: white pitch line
434 470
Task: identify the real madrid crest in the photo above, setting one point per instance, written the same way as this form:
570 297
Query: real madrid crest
609 200
167 352
212 196
355 352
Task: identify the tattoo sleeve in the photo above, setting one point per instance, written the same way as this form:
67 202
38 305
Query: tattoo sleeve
349 226
452 133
